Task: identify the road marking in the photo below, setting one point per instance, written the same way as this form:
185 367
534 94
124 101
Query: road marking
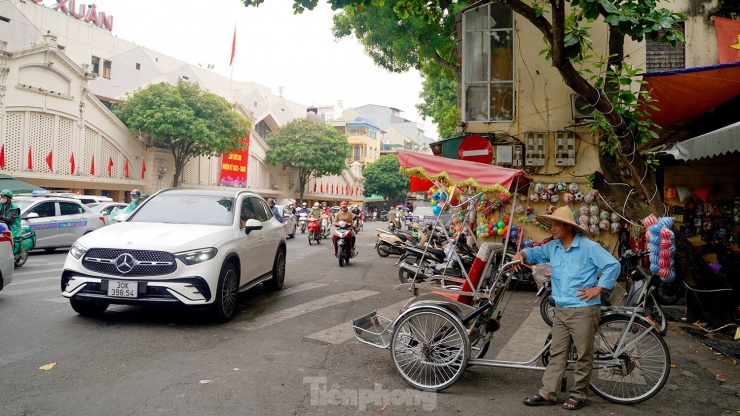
60 299
35 272
31 290
528 340
343 332
43 263
41 279
295 289
302 309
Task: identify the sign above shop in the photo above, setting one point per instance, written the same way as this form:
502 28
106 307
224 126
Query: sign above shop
84 12
475 149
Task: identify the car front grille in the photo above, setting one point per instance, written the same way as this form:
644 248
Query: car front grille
145 263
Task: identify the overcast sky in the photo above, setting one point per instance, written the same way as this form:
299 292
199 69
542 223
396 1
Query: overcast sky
274 47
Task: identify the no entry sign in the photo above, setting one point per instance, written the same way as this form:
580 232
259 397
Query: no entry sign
475 149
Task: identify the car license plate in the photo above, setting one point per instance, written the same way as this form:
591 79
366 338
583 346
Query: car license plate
122 289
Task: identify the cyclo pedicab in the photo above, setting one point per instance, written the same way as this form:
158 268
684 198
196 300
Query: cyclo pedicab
449 322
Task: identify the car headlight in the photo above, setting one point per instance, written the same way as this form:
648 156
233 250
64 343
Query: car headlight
196 256
77 250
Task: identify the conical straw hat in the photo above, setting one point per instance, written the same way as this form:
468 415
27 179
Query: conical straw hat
564 215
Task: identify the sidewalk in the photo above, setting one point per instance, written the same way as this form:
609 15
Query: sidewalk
698 355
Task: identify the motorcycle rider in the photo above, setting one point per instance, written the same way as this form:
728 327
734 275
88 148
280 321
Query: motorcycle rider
10 213
392 218
275 211
345 215
316 213
303 209
357 213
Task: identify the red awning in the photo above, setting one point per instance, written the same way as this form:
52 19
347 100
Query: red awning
461 173
686 93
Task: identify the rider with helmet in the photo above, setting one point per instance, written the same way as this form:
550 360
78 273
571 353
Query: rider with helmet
303 209
316 213
345 215
274 210
10 213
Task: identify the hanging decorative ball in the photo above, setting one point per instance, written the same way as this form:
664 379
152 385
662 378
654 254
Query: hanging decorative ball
560 186
436 209
522 198
554 198
519 209
578 196
539 188
550 208
604 215
568 197
650 220
501 231
552 188
593 220
593 229
535 197
514 234
615 217
589 197
573 187
443 197
503 197
583 220
604 225
615 227
528 243
583 210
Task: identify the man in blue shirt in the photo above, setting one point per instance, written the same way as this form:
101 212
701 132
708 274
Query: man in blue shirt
574 263
275 211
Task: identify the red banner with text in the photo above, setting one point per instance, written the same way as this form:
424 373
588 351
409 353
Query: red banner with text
234 167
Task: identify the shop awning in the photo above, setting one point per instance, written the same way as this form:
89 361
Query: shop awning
715 143
17 186
461 173
685 93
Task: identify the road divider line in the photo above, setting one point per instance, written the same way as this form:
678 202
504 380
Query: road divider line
40 279
343 332
60 299
31 290
291 291
308 307
528 340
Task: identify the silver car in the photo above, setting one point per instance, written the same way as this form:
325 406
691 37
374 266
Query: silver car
105 208
57 221
291 222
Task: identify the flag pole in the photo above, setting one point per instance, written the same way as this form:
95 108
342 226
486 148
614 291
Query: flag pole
231 63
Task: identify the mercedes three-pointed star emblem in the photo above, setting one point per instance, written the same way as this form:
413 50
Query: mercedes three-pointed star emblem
125 263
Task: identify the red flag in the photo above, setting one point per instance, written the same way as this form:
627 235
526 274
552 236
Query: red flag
233 48
92 166
728 39
49 159
110 165
2 157
30 159
125 168
143 169
72 164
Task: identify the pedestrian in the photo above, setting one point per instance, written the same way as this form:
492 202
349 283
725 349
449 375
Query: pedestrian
574 262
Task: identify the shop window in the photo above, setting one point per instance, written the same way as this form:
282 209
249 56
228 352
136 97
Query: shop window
95 65
488 64
138 66
356 153
106 69
664 56
262 129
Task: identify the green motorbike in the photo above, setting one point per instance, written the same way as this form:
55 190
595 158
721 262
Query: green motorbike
23 244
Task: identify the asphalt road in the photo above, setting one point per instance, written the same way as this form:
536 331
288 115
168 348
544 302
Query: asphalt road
285 353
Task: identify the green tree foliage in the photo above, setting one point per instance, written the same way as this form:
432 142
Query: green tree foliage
383 178
315 149
187 121
439 99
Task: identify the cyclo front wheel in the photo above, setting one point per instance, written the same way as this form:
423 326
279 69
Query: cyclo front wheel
429 348
638 372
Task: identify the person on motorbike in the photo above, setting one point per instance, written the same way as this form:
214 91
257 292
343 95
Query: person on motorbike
392 218
316 213
345 215
328 212
303 209
272 202
10 213
357 213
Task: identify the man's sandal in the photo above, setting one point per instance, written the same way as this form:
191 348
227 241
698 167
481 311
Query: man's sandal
538 400
573 403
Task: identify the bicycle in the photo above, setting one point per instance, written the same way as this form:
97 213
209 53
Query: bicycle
435 338
641 285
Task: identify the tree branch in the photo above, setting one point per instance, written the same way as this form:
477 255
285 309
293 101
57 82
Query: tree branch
526 11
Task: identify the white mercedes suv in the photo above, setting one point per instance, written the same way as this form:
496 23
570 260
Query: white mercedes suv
192 247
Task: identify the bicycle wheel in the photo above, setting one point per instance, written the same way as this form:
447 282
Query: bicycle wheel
429 349
637 373
547 309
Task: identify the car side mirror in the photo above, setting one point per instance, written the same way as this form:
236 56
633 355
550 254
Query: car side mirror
252 225
32 215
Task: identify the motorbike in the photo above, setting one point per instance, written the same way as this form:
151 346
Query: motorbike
388 243
23 244
302 222
419 262
394 224
342 240
313 231
325 224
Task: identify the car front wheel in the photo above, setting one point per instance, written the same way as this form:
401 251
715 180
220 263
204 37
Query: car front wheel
278 272
226 295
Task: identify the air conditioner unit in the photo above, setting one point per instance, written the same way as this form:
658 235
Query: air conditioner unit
579 107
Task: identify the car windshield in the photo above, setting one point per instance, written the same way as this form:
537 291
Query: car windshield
23 204
186 209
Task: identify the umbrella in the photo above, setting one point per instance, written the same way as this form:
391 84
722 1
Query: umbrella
405 208
17 186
